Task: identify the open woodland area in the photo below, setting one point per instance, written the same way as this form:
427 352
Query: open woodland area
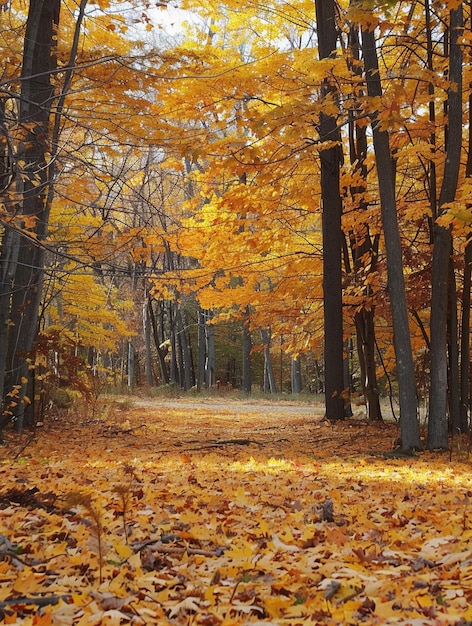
234 195
214 213
251 513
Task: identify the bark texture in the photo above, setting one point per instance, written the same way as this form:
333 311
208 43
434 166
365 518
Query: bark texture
331 160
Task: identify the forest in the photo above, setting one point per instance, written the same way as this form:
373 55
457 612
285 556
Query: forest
235 276
232 195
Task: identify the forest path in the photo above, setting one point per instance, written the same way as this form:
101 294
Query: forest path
227 425
175 512
247 405
261 426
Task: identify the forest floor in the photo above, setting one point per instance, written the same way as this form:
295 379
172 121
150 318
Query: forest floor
225 512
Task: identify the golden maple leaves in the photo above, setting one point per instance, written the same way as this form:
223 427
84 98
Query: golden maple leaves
240 102
281 532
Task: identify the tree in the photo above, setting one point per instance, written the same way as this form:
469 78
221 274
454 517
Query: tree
247 347
269 384
364 247
331 158
409 427
442 248
22 255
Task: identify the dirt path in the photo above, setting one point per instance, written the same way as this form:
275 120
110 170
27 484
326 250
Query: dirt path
235 406
255 426
206 425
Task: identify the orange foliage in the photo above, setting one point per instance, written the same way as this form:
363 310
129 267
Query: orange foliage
246 514
207 151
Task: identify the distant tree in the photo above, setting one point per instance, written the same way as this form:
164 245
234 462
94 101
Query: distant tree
247 347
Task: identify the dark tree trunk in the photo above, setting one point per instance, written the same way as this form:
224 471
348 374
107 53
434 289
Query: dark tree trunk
347 377
201 350
247 347
453 352
331 160
438 397
409 426
8 262
364 320
34 116
185 362
210 363
8 249
364 250
464 374
147 341
174 373
206 351
159 341
465 341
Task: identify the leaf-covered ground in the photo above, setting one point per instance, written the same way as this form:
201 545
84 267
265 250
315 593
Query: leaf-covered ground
190 514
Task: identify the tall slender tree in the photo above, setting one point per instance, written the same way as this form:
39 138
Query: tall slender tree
409 427
247 347
364 246
442 249
331 159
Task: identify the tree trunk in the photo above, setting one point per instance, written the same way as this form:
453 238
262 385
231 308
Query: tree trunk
206 351
364 250
9 247
34 113
270 385
409 427
453 352
464 374
174 374
8 262
210 363
161 346
147 341
296 375
331 159
465 341
247 347
131 367
364 320
202 354
347 378
185 363
438 396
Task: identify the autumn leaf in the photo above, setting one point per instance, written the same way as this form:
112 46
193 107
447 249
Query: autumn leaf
29 582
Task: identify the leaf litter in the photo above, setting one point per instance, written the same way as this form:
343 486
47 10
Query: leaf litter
209 516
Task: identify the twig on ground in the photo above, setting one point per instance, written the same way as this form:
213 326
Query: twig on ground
24 446
158 546
37 601
218 444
